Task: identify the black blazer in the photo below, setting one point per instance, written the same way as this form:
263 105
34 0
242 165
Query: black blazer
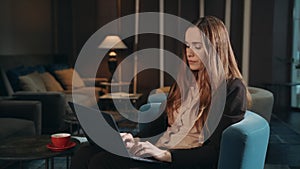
208 154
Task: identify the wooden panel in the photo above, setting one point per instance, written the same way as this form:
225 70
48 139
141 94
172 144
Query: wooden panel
84 18
236 29
215 8
12 61
190 10
260 68
148 79
63 30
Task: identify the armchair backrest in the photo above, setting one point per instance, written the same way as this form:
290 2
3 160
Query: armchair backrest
262 102
157 97
244 144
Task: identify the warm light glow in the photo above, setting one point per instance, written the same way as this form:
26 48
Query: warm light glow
112 53
112 42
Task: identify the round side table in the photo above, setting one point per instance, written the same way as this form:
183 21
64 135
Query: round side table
33 148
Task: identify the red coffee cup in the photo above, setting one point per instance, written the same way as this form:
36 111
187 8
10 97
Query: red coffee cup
60 140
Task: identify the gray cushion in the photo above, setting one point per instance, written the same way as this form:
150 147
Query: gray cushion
262 102
32 82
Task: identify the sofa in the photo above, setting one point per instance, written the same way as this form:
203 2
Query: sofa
19 118
53 86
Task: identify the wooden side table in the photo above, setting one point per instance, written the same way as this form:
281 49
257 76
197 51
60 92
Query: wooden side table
121 96
98 81
119 85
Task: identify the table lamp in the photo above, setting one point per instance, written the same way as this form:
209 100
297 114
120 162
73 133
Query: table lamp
113 42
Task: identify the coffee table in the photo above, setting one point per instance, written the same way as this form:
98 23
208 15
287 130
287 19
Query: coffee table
32 148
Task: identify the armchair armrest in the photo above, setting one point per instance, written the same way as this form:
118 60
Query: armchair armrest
53 108
29 110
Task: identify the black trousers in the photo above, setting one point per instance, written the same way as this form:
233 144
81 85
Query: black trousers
92 157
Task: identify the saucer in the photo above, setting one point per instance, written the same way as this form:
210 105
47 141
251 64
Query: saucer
53 148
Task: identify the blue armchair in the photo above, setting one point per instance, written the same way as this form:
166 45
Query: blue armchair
157 97
243 145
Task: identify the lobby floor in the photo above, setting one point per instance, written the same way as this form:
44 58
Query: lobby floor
284 145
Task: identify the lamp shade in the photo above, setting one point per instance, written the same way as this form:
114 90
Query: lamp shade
112 42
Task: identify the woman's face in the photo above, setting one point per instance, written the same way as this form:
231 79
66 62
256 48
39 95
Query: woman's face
194 48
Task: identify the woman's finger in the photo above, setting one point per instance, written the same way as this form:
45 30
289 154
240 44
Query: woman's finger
142 152
122 134
136 147
142 149
127 137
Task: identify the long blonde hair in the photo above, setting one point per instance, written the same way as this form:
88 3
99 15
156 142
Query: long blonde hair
216 32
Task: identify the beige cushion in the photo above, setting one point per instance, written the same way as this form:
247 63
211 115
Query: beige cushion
51 83
65 76
32 82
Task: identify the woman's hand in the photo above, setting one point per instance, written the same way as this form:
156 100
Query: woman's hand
128 140
145 149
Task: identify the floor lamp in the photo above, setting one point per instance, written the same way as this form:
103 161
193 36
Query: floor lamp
113 42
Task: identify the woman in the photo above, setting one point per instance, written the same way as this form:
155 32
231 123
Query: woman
188 139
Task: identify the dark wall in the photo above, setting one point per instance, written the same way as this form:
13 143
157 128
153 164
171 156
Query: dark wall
189 10
62 27
270 43
84 22
261 40
63 30
271 47
236 29
215 8
281 41
25 27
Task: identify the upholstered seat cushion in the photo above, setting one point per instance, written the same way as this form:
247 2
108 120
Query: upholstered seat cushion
10 127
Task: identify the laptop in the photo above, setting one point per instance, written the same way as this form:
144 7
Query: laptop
107 133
